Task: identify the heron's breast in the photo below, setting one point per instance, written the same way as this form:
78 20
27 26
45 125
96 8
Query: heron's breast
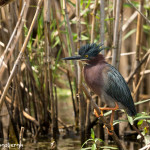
94 78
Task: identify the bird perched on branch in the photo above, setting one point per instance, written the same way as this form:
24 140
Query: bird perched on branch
105 80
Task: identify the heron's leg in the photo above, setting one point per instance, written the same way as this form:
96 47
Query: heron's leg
109 108
96 114
111 124
105 108
112 115
112 119
109 132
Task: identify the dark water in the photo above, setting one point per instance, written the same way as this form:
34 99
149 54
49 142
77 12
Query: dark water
47 144
67 144
72 144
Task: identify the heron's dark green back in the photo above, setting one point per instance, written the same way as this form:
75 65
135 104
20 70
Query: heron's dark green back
117 88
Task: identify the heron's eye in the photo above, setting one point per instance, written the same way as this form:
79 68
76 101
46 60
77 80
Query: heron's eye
86 56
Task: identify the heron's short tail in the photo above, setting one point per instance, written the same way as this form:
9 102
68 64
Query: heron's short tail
131 112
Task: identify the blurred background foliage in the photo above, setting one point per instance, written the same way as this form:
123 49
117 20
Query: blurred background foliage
43 96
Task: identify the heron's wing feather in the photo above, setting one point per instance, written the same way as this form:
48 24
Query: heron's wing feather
117 88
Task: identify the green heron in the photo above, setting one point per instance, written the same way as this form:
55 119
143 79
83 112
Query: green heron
105 80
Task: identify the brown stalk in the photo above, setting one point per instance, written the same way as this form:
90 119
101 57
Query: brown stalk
73 100
87 121
18 97
116 52
93 20
61 36
21 135
52 103
79 77
56 110
70 32
138 47
120 36
115 37
47 62
48 67
102 22
69 28
72 47
21 53
99 127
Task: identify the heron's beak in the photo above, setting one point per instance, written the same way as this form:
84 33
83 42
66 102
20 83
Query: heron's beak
78 57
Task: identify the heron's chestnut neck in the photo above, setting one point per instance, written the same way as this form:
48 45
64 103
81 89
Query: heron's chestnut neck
96 60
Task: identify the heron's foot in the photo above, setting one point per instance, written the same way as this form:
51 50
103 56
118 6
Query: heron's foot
105 108
110 132
96 114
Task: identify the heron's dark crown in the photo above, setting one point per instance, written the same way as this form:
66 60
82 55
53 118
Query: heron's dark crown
89 51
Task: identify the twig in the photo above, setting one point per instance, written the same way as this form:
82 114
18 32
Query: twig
137 130
32 119
122 54
20 54
61 122
21 136
84 12
145 72
136 69
140 80
129 21
139 12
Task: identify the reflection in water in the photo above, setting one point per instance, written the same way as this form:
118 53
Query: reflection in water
70 144
45 144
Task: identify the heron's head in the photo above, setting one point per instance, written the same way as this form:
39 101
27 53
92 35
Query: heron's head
87 52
